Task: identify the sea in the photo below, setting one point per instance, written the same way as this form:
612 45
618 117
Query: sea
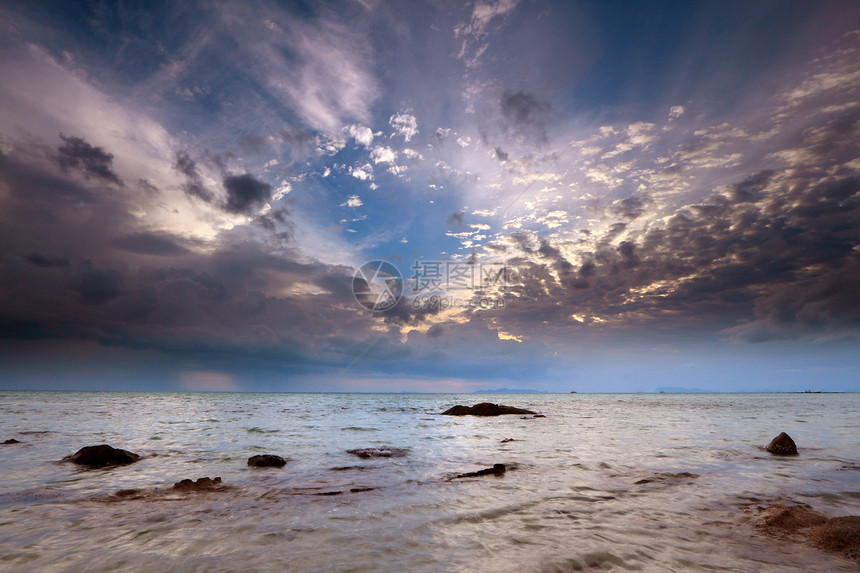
603 482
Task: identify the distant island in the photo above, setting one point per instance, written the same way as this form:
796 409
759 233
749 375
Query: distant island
510 391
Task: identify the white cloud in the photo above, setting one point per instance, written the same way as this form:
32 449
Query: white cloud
676 111
464 141
283 189
352 201
361 133
363 172
383 154
404 124
321 68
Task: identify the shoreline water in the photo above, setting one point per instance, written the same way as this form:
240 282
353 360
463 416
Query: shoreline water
571 498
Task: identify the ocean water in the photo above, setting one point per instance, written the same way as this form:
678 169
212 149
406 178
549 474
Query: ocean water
569 502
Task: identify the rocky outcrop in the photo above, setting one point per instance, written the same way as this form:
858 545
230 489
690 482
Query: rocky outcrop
11 441
202 484
101 456
779 519
267 461
838 534
782 445
484 409
496 470
382 452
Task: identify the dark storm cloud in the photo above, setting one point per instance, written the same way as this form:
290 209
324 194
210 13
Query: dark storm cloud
47 260
773 255
245 193
96 286
524 114
148 243
93 162
630 208
65 274
193 186
523 108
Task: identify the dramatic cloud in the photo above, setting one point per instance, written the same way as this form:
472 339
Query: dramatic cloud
95 162
194 186
245 194
197 184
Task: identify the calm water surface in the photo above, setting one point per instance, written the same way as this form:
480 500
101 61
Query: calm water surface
569 503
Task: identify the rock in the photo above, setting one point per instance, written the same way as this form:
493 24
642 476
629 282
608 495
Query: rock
335 492
788 519
11 441
667 477
102 455
126 494
202 484
267 461
484 409
383 452
506 440
838 534
538 416
361 489
496 470
782 445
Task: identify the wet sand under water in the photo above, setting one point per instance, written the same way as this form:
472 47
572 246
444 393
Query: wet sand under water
640 483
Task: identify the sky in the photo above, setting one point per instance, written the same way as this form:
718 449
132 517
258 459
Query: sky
592 196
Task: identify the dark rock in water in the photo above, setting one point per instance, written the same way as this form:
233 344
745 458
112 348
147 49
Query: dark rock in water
506 440
667 477
202 484
11 441
538 416
782 445
100 456
347 468
361 489
383 452
329 493
129 494
267 461
838 534
496 470
484 409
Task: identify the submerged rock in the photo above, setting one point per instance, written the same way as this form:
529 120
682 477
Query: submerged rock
788 519
782 445
202 484
102 455
496 470
267 461
382 452
838 534
484 409
11 441
667 477
127 494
